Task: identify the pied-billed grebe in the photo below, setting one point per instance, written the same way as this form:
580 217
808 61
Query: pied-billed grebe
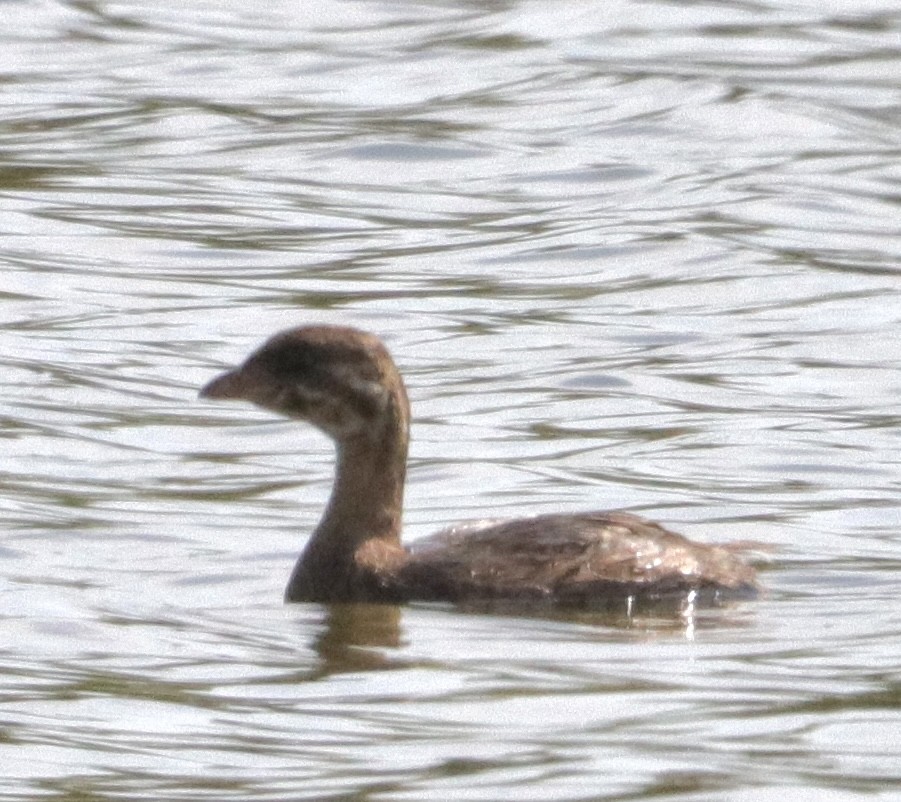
344 382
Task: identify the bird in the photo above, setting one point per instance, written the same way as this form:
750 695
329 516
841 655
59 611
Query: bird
344 382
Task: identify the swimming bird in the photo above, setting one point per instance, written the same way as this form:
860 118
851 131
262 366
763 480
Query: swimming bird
344 382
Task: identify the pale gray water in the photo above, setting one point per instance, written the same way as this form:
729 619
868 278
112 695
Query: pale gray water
639 255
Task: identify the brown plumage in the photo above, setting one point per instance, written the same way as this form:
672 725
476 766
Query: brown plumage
344 382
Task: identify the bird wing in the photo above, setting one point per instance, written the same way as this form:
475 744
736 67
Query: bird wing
568 557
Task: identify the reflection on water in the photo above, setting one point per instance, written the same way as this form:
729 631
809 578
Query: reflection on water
354 635
643 260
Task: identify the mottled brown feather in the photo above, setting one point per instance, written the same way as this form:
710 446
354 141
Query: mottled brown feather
344 382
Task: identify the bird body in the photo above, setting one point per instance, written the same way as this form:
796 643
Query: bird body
344 382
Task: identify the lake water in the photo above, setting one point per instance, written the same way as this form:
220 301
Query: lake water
638 255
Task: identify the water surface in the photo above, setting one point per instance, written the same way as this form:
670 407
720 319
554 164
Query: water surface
639 256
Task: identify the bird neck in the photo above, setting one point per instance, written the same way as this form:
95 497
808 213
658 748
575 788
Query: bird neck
368 493
364 510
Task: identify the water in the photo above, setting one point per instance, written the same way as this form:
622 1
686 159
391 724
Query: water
640 255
